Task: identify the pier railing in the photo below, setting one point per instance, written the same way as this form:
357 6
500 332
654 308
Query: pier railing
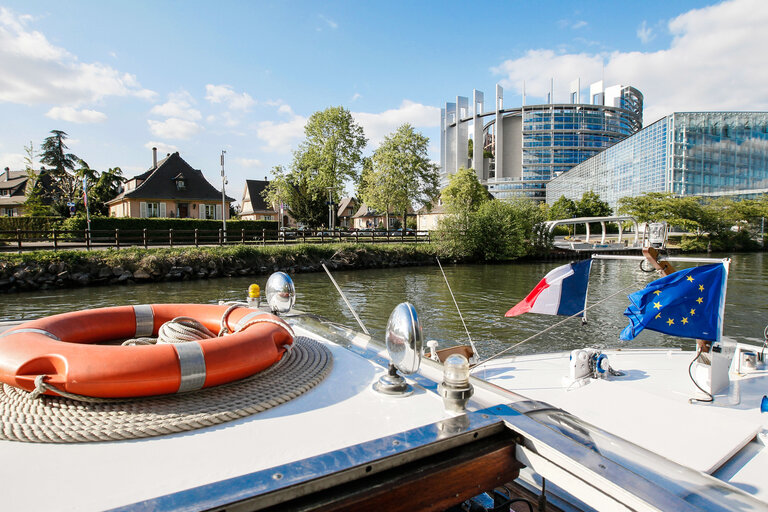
32 240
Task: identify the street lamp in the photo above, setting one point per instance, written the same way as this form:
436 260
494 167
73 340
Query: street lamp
223 197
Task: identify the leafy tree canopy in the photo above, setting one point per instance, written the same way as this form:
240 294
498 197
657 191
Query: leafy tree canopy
401 173
563 208
590 205
464 193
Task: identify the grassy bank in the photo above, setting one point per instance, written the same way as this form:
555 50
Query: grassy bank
46 269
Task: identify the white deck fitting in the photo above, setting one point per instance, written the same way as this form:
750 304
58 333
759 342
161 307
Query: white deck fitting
97 476
649 407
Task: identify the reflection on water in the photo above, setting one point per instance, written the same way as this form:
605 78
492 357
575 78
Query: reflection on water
484 293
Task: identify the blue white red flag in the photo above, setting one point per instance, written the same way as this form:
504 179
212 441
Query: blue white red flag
563 291
687 303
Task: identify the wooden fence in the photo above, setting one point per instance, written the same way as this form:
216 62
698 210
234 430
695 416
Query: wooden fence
31 240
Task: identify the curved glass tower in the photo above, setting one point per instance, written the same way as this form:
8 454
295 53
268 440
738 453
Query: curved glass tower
525 147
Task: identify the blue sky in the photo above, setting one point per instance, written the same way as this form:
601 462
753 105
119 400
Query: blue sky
200 77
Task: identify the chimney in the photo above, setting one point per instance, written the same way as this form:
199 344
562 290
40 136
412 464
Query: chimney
6 174
154 158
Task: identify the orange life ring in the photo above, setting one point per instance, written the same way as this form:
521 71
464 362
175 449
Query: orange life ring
63 348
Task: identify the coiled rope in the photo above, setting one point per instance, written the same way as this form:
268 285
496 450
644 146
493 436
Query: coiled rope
50 419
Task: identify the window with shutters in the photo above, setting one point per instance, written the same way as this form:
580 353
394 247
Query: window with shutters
153 209
210 211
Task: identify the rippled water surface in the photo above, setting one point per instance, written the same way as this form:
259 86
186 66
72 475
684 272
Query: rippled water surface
484 293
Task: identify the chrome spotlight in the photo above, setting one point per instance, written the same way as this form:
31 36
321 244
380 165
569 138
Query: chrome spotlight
280 292
404 340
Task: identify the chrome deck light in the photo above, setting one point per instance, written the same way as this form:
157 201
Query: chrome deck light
280 292
404 340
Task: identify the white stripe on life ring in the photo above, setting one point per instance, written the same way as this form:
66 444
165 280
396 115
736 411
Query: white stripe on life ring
145 320
192 364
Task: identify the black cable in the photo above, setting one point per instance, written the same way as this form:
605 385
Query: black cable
691 400
523 500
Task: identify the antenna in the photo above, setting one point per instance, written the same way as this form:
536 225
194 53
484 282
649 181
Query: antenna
475 354
359 322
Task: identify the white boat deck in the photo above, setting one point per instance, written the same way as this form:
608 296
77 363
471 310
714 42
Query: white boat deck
649 406
98 476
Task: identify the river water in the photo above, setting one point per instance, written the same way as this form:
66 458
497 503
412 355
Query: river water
484 293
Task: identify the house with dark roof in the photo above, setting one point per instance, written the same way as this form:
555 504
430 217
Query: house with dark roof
13 192
366 218
347 208
428 219
254 207
171 188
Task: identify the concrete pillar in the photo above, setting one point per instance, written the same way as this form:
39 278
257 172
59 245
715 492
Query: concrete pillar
478 105
462 133
602 225
499 145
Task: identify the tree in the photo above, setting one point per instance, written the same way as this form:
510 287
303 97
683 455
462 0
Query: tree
563 208
53 153
302 205
35 203
327 158
464 194
590 205
106 187
402 173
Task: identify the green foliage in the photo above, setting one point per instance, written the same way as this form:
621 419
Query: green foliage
590 205
464 193
563 208
130 223
497 231
402 173
330 155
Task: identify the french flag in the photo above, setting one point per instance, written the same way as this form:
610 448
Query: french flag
562 292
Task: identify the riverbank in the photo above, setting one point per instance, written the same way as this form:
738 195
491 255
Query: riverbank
43 270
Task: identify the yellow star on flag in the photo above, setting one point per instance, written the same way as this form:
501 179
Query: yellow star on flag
684 320
700 300
670 321
657 292
690 278
657 305
701 287
658 316
693 312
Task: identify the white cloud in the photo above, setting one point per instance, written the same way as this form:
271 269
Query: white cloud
162 148
356 97
281 137
14 161
74 115
579 24
645 33
249 163
174 128
226 95
711 64
44 73
328 21
179 105
376 126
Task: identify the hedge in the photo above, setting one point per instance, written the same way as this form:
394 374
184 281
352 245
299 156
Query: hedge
164 224
27 224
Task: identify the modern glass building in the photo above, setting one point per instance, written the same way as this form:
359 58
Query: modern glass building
523 148
685 153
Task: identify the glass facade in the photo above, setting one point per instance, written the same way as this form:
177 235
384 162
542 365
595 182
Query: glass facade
555 138
686 153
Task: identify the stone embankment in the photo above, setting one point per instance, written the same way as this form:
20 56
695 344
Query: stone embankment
112 268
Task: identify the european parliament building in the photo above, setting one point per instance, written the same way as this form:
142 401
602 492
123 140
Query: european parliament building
517 151
685 153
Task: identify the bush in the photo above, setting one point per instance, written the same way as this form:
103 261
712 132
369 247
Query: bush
28 224
136 224
498 231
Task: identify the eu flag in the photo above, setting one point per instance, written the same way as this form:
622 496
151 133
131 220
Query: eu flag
685 303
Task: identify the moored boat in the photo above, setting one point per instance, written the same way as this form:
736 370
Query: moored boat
343 422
